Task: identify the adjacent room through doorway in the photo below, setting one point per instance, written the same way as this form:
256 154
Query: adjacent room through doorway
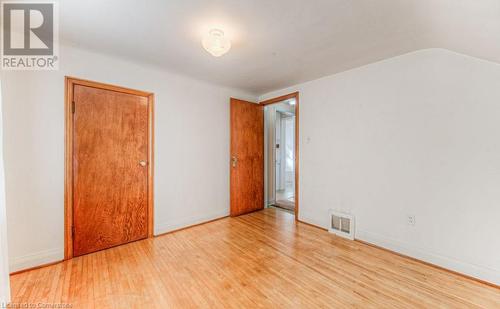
280 153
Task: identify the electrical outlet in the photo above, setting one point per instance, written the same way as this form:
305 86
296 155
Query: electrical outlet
411 219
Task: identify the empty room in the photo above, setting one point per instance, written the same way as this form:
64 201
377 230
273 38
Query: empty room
250 154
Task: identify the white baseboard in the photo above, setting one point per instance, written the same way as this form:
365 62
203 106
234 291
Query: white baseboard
305 217
472 270
36 259
4 293
475 271
57 254
172 225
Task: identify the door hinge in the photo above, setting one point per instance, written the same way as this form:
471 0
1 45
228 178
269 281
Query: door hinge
73 107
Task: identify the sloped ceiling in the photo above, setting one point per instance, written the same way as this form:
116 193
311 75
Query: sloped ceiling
278 43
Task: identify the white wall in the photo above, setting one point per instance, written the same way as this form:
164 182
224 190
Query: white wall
4 265
418 135
269 154
191 157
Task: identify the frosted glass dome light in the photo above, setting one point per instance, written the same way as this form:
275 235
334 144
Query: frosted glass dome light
216 43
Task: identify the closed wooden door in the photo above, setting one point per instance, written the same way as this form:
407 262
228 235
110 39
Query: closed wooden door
110 168
247 157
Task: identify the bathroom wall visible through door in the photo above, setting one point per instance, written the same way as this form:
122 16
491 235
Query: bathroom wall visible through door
280 131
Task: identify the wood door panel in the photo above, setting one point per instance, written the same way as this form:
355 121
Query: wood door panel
247 145
110 187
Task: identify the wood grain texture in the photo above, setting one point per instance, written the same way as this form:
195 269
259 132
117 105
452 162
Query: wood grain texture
110 192
68 166
247 145
71 83
293 95
263 259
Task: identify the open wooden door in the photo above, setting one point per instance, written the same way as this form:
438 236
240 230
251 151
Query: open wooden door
247 157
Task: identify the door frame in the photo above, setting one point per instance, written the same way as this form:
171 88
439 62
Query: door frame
293 95
70 82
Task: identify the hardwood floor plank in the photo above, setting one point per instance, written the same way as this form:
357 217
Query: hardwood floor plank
263 259
356 276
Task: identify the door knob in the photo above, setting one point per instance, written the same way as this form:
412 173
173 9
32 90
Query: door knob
142 163
234 161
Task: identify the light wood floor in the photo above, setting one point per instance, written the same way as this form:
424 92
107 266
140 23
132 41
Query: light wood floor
263 259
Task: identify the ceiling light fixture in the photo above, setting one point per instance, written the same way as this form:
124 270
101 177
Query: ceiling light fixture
216 43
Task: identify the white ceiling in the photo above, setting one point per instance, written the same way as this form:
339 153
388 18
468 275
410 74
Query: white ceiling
278 43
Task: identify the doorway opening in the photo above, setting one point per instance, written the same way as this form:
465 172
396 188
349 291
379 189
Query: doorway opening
280 152
253 151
